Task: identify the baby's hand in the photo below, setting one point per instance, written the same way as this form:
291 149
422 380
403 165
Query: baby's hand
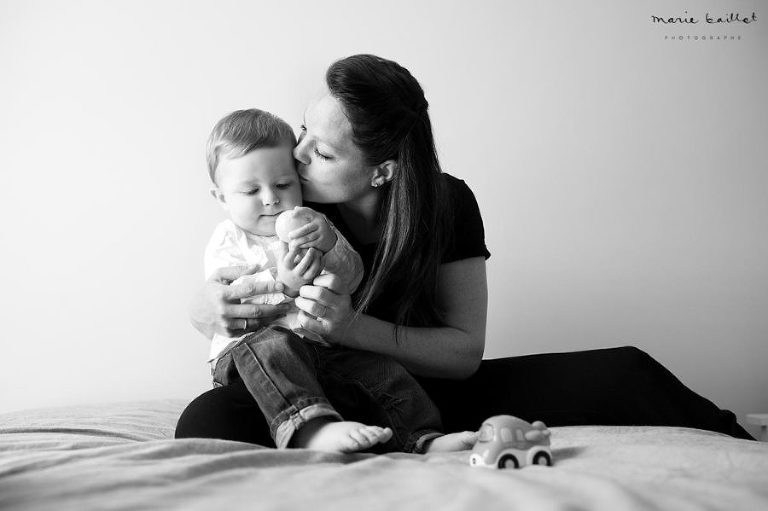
304 228
298 267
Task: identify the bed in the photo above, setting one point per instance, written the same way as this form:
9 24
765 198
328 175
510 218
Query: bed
123 456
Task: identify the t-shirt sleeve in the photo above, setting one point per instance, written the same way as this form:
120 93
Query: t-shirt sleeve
468 236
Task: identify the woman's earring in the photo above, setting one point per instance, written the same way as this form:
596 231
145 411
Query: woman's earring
375 184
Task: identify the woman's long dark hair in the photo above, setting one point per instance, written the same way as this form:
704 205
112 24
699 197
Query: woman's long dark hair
388 113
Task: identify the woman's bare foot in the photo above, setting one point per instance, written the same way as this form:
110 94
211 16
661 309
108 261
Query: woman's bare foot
324 435
462 441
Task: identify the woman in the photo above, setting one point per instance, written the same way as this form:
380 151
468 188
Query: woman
366 158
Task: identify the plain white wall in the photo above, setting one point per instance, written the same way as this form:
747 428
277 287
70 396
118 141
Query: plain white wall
623 177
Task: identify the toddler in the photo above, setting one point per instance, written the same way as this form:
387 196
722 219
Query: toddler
294 375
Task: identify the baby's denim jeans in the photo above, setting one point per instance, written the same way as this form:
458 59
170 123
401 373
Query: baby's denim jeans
295 381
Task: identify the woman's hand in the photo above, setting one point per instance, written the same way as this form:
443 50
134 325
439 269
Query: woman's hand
326 309
216 308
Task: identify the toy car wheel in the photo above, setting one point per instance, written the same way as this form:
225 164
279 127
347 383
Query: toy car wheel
542 458
508 461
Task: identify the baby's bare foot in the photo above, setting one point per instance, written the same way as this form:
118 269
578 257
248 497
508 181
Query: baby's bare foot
453 442
347 436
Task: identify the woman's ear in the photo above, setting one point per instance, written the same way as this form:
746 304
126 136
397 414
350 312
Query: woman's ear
383 173
220 198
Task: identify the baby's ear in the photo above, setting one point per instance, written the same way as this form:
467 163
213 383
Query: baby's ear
219 196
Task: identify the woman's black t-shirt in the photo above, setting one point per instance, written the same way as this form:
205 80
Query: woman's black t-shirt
467 240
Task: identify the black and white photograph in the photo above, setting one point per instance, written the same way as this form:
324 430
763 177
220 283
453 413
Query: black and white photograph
402 255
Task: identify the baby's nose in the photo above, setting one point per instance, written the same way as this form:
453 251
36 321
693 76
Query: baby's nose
270 198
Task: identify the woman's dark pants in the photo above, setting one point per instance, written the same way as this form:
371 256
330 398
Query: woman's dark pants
617 386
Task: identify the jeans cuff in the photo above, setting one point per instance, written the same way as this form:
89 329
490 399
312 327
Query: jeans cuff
299 417
416 442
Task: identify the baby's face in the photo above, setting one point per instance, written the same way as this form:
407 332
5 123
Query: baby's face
257 187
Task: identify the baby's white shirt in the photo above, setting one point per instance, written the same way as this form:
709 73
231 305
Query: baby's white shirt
230 245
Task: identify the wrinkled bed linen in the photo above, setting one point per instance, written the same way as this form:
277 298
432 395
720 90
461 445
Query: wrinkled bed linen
123 456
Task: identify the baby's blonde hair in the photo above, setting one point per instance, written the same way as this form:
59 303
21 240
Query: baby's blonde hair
241 132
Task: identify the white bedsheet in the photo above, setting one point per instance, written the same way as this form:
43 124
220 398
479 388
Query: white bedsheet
123 456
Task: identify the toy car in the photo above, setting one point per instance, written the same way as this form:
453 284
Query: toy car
508 442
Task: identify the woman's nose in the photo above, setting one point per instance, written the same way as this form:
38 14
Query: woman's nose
300 152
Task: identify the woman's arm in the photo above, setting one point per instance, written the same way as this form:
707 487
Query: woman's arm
452 351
